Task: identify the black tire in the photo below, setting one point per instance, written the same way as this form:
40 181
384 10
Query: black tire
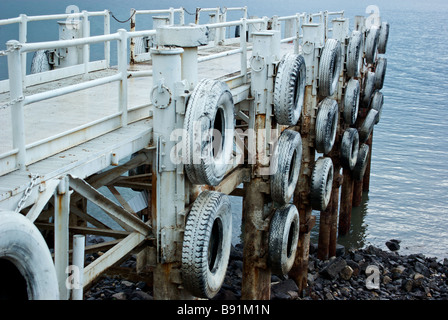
351 101
287 159
361 162
321 183
369 88
383 37
354 54
206 245
372 44
289 89
380 72
283 239
23 249
367 126
377 104
326 125
329 67
210 109
349 148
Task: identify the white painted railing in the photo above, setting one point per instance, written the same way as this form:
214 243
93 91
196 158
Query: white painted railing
23 154
33 79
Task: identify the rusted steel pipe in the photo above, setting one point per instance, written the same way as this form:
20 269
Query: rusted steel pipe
345 210
256 275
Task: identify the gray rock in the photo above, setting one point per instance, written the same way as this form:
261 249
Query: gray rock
142 295
119 296
332 270
284 290
346 273
393 245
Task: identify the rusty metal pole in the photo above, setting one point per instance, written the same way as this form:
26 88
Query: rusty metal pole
132 44
345 211
256 274
313 41
358 185
366 179
341 33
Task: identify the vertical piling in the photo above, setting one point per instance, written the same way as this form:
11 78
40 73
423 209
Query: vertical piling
313 41
256 274
61 217
167 200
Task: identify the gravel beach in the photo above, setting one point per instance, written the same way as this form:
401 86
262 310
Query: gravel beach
364 274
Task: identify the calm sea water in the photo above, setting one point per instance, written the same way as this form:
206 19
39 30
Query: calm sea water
408 195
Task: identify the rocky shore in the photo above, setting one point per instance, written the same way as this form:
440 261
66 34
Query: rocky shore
365 274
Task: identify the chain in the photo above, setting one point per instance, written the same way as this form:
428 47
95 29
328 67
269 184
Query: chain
191 14
14 47
12 102
122 21
27 192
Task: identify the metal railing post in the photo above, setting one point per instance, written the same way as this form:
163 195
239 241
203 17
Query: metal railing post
122 68
223 29
85 34
243 46
182 17
79 243
16 94
171 16
107 43
132 43
23 30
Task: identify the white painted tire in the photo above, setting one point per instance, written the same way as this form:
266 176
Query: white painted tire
367 126
326 125
369 88
40 63
210 108
372 44
289 89
351 101
383 37
139 45
287 160
349 148
206 245
377 104
329 67
380 72
321 183
283 239
354 54
22 244
361 162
